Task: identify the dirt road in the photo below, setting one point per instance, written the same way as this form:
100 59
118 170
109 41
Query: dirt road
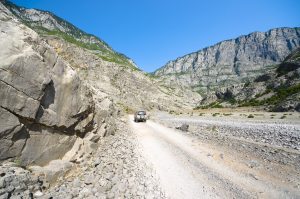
189 168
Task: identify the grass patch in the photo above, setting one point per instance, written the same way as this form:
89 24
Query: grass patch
282 117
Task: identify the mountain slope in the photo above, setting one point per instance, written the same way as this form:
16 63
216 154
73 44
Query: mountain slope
46 23
277 89
232 62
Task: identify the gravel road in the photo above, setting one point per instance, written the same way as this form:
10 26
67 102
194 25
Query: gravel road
204 164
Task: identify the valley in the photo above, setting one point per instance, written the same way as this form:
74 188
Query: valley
222 122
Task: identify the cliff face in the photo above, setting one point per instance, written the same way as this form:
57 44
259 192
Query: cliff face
233 61
277 89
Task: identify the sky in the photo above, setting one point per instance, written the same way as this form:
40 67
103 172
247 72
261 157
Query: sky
152 32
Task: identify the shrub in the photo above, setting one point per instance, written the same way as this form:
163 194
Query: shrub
250 116
215 114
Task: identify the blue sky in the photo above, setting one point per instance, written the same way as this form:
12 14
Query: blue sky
152 32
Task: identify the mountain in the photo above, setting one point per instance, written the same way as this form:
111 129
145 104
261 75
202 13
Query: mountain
231 62
276 89
46 23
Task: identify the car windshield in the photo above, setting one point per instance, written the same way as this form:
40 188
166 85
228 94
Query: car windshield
141 113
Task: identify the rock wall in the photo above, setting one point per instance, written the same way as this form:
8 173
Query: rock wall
44 106
233 61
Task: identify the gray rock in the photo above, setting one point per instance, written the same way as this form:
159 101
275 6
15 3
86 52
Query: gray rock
38 194
44 105
183 127
232 61
89 179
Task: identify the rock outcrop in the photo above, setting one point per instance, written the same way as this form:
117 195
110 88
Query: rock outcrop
44 106
233 61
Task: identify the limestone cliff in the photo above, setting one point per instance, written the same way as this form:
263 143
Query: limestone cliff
232 62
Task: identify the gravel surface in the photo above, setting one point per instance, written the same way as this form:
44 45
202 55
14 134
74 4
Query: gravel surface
270 132
267 151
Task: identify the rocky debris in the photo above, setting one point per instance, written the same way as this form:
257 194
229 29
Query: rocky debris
279 135
115 170
16 182
183 127
232 61
270 140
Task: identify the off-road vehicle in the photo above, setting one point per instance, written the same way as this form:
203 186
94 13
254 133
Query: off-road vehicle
140 116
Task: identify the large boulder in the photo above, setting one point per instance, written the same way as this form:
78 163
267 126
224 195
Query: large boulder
44 105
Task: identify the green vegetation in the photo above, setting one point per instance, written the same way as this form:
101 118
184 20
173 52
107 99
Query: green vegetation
231 100
262 94
289 64
151 75
215 114
101 49
211 105
105 54
18 161
280 95
282 117
250 116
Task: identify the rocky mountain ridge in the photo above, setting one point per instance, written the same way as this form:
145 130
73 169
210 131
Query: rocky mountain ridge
46 23
231 62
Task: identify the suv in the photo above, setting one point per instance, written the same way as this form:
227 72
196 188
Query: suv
140 116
